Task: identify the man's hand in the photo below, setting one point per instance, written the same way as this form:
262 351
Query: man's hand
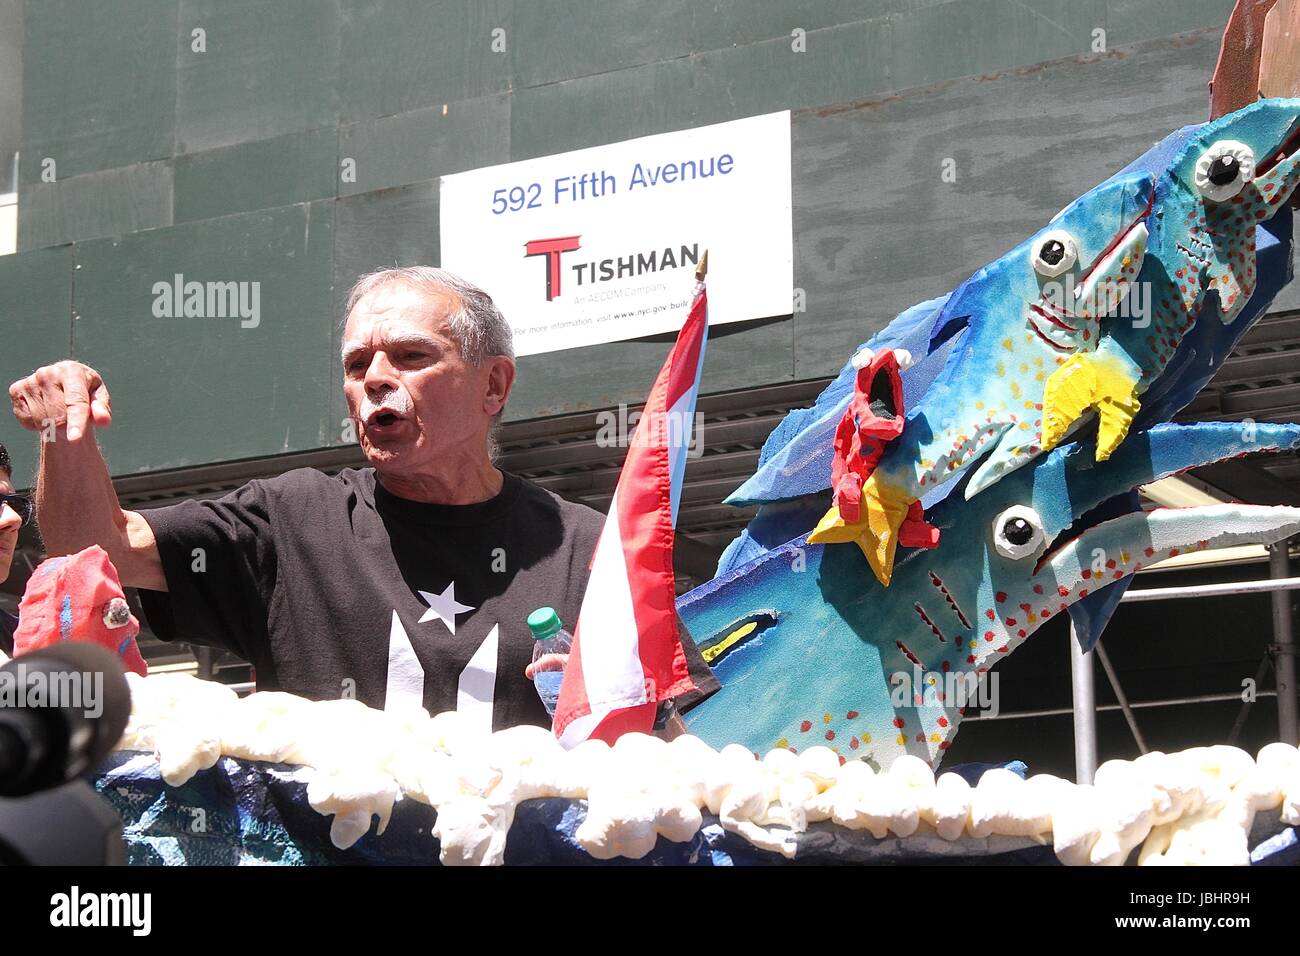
74 493
65 393
547 662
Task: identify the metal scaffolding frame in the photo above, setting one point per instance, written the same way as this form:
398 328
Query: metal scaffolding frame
1281 654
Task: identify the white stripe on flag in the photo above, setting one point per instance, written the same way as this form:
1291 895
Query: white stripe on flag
611 657
580 728
681 418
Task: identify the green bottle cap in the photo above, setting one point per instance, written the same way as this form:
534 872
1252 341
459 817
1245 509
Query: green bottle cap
543 623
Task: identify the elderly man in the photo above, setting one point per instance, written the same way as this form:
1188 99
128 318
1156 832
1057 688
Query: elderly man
408 581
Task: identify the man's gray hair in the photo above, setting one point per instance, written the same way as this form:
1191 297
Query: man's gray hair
478 327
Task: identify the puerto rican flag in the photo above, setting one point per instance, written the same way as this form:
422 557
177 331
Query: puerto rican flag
627 655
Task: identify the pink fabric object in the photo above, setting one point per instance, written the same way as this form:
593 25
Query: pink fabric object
78 598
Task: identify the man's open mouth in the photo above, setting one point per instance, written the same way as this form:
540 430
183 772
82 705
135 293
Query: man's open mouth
383 418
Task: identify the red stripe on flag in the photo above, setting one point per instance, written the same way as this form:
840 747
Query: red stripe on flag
643 500
685 366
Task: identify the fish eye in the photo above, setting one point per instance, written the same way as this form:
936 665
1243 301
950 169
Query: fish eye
1224 169
116 613
1054 253
1018 532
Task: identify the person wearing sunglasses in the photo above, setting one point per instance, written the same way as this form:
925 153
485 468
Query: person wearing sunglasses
15 511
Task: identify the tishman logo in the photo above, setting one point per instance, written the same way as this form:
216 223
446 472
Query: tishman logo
552 249
603 270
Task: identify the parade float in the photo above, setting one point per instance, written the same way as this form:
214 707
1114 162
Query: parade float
945 496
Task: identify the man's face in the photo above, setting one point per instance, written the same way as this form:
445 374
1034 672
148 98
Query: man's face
10 522
417 403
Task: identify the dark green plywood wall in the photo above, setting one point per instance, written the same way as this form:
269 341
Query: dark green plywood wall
225 165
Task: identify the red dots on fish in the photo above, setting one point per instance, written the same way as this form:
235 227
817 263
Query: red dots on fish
925 618
805 726
852 715
898 722
830 735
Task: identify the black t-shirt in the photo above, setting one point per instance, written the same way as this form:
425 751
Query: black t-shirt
8 624
333 587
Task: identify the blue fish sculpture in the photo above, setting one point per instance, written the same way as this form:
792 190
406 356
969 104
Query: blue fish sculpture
1021 353
809 651
1233 174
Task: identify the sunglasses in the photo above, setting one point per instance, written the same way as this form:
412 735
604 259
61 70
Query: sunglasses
21 504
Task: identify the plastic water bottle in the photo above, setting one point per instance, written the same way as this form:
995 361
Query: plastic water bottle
551 644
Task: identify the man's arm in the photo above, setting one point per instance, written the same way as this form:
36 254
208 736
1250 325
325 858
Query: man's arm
75 501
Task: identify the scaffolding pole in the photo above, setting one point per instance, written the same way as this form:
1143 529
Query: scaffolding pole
1085 710
1283 649
1122 698
1212 590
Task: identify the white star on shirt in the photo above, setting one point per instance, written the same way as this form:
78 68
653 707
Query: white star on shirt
444 606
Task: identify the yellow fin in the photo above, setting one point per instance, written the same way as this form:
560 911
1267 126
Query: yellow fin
876 532
1091 381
